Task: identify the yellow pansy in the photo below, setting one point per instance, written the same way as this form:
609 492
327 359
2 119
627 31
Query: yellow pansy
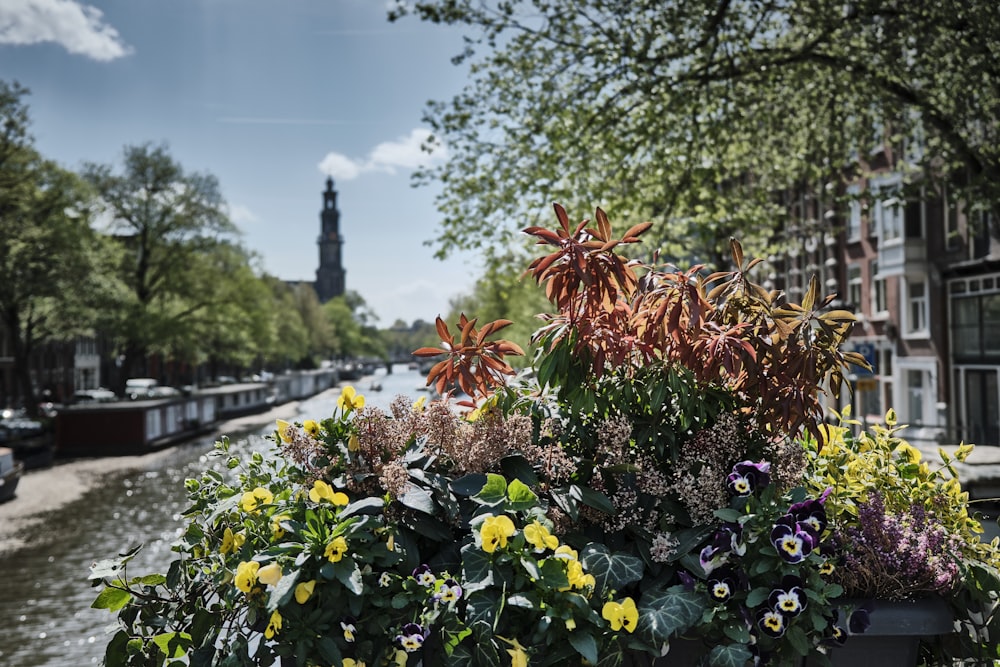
621 615
304 591
269 574
353 443
273 625
323 491
518 654
495 531
336 549
285 430
577 577
565 551
420 404
311 426
350 400
277 532
246 575
252 500
231 542
540 537
351 662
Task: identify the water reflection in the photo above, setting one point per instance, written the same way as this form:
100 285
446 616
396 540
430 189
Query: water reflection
44 593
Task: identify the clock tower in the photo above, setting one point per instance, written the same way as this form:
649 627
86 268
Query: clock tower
330 274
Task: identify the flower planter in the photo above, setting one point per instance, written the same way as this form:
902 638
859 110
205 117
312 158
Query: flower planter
893 640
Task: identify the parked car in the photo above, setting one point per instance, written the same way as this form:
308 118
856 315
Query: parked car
137 389
99 395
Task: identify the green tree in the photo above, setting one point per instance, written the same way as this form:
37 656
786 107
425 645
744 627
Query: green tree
50 258
353 324
692 114
168 221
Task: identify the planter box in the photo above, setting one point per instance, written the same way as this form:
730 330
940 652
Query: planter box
893 640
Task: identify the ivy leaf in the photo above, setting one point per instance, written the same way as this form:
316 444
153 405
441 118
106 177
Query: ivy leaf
670 611
729 655
283 590
518 467
612 571
418 499
369 505
478 568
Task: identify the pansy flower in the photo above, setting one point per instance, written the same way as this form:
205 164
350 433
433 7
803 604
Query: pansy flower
347 626
810 513
450 591
350 400
748 477
792 540
771 623
384 580
252 500
270 574
273 625
621 615
231 542
246 575
727 539
789 598
495 532
424 576
286 432
723 584
336 549
304 591
411 637
540 537
322 491
311 426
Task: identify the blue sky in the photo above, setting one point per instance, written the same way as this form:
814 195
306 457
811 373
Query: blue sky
270 96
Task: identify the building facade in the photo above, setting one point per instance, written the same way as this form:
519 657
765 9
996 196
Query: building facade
922 275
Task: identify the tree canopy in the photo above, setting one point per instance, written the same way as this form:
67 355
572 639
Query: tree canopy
694 113
50 258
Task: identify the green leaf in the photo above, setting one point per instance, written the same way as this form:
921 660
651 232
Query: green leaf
612 571
585 645
173 644
111 599
494 491
520 497
419 499
757 596
350 576
517 467
667 612
729 655
369 505
283 590
594 499
729 514
477 567
798 640
468 485
328 650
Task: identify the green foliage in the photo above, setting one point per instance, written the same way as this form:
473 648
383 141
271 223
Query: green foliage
694 113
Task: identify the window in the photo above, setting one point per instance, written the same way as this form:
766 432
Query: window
917 305
854 286
854 213
888 209
952 234
915 396
975 319
878 303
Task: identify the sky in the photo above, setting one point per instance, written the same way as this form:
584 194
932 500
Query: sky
271 97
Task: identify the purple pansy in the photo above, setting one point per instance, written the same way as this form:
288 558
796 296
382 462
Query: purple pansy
723 584
771 623
748 477
810 513
411 637
793 540
789 599
449 591
725 540
424 576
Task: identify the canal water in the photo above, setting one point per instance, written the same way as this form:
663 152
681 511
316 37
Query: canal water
45 596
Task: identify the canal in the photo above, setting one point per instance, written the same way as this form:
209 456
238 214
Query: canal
45 596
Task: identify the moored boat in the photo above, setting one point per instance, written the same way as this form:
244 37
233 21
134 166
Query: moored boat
10 473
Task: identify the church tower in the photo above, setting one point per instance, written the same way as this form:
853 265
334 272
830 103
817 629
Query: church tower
330 274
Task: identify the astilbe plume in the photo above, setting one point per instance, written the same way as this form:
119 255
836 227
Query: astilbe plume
897 555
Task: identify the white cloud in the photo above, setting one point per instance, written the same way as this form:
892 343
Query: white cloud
242 215
404 153
76 27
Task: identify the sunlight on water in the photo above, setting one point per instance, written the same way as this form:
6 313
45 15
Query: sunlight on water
45 596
